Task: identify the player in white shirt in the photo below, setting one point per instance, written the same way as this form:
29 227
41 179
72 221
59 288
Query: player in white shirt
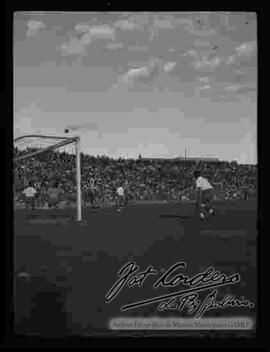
29 195
120 198
204 195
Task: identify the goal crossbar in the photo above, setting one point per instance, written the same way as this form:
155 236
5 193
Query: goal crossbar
66 141
42 136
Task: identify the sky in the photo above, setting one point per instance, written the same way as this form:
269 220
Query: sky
150 84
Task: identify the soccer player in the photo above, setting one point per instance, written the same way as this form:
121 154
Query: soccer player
30 194
204 195
126 192
54 193
91 190
43 197
120 198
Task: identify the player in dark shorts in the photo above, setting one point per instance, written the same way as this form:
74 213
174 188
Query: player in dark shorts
91 193
54 193
30 196
205 195
120 198
126 193
245 191
43 195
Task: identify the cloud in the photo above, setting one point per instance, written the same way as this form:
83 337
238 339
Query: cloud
136 72
162 22
77 46
233 88
186 22
73 47
206 63
126 25
86 39
243 50
132 74
240 89
82 28
191 53
204 79
136 21
144 74
34 27
246 48
102 32
169 66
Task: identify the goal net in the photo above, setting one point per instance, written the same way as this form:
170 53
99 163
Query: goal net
46 163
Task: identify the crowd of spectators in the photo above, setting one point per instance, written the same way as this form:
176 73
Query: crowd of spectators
144 179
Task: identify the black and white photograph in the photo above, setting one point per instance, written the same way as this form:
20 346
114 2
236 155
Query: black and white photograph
135 174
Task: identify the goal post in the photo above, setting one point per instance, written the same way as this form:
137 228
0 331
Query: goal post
31 146
78 179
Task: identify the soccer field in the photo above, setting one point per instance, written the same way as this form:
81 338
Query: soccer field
72 266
